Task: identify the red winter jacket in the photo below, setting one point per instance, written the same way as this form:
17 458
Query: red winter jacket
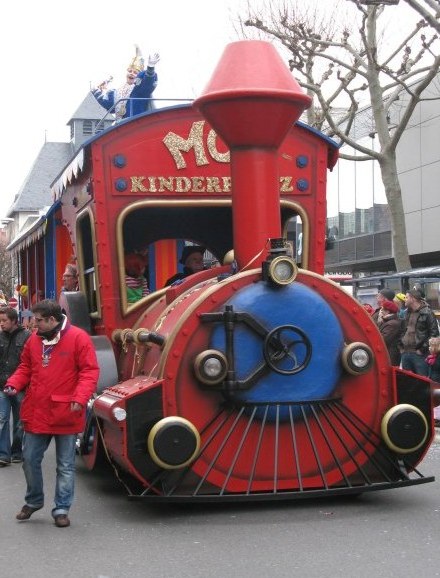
71 375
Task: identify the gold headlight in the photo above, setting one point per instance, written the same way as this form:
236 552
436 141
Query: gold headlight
211 367
283 270
357 358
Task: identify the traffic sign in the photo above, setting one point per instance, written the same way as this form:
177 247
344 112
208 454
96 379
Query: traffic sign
13 302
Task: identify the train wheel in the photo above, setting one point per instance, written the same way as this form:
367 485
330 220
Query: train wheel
90 448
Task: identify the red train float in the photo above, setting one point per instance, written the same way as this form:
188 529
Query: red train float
257 378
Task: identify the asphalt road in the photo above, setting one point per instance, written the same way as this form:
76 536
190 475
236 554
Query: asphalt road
382 534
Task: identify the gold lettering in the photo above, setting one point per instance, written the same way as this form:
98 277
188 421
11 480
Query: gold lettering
152 181
137 186
166 184
183 184
212 148
197 185
226 184
176 143
286 186
213 185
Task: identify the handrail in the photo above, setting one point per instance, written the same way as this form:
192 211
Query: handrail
112 110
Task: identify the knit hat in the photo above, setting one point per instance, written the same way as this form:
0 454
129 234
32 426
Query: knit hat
189 250
387 293
390 306
419 295
401 297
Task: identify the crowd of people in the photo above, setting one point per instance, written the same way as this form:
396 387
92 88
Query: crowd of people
411 333
48 372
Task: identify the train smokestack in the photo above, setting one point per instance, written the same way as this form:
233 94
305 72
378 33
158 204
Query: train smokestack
251 102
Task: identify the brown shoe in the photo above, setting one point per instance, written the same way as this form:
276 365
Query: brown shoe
62 521
26 512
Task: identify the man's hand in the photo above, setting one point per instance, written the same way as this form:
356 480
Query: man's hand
153 59
9 390
75 406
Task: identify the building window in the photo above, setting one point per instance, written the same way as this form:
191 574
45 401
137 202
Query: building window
87 127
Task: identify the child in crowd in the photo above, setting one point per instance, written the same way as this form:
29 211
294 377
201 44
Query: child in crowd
399 300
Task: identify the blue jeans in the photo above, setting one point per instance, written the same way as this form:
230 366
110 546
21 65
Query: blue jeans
415 363
34 446
10 404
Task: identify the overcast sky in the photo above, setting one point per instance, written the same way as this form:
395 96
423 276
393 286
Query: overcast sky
52 52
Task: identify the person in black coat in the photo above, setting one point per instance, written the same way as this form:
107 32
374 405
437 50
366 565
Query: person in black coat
391 329
12 340
192 261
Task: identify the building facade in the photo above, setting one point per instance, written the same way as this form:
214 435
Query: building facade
359 224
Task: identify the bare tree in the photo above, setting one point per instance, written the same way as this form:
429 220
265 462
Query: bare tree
428 10
347 66
5 270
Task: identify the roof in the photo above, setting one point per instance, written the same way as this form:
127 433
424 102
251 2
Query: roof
89 109
35 191
34 229
420 273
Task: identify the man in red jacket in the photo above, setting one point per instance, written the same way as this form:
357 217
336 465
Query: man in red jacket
59 372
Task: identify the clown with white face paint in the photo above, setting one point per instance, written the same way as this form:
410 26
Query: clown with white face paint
132 98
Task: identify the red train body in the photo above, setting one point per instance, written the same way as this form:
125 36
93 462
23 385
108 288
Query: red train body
253 379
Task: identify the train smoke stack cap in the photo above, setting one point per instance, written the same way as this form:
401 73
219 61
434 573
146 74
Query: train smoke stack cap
252 98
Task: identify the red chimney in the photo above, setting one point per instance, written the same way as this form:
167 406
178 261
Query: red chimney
251 102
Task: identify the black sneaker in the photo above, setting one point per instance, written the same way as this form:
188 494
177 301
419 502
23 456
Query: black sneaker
16 460
4 463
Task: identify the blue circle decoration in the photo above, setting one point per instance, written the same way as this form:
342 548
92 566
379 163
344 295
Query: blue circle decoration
302 161
121 185
119 161
302 184
273 307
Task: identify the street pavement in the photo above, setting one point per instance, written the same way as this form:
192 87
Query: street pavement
378 535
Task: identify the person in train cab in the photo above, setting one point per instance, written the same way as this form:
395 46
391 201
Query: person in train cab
383 295
420 325
391 330
12 340
70 278
58 373
132 97
135 281
192 261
